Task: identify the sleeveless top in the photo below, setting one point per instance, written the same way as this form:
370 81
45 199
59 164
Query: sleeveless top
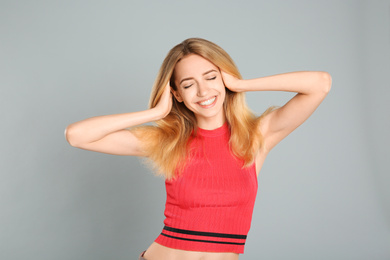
209 205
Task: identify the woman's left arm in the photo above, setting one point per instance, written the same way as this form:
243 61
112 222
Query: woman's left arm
311 88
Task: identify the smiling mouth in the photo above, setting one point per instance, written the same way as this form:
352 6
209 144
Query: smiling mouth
207 102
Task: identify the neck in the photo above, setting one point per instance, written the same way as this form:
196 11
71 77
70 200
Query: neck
210 123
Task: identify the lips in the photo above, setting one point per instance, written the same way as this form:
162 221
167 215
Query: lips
207 102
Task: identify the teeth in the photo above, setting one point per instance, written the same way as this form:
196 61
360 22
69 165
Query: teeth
207 102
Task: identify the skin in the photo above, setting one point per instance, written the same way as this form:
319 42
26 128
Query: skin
198 82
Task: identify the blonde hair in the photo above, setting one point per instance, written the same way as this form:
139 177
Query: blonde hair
166 143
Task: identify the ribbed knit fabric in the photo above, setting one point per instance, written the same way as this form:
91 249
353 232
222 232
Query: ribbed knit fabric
209 206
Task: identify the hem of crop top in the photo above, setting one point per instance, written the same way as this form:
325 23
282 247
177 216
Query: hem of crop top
201 241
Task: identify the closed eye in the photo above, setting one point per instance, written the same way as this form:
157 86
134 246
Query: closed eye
187 86
212 78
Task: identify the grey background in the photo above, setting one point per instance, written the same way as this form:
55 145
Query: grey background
323 192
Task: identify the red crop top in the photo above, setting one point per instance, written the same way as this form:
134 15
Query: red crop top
209 206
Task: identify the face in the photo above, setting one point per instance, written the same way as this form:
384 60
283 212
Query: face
200 87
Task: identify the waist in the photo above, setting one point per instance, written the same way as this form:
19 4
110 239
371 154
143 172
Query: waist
160 252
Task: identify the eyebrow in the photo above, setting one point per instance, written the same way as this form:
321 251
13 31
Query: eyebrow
207 72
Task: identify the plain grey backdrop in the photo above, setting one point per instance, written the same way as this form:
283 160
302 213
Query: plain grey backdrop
323 192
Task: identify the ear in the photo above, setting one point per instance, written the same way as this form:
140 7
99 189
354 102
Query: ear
177 95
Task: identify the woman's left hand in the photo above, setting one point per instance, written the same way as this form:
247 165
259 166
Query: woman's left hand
231 82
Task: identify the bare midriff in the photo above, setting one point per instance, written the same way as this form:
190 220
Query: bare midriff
159 252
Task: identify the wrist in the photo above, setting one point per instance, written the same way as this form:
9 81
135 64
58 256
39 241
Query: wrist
158 113
239 86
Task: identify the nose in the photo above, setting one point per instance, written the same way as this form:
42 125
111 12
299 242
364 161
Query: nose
202 90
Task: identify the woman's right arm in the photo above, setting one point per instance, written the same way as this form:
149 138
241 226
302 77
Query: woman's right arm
109 134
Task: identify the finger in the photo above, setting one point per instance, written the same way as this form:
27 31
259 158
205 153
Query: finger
167 88
225 75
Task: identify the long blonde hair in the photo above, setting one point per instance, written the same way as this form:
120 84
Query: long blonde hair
166 143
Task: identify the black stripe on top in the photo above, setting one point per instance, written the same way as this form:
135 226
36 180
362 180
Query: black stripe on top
206 234
207 241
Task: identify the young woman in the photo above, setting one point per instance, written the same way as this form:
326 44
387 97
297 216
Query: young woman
206 143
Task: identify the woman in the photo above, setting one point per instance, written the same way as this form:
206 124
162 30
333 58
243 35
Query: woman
206 143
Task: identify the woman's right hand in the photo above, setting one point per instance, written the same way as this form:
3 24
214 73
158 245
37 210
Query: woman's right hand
164 106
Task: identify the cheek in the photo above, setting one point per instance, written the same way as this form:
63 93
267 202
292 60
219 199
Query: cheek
222 87
189 94
189 105
219 83
188 102
222 83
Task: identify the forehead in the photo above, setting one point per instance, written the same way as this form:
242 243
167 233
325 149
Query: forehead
193 65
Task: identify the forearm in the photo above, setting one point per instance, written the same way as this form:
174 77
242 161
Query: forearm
304 82
95 128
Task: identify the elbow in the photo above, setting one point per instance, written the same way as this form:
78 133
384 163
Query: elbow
325 81
70 136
